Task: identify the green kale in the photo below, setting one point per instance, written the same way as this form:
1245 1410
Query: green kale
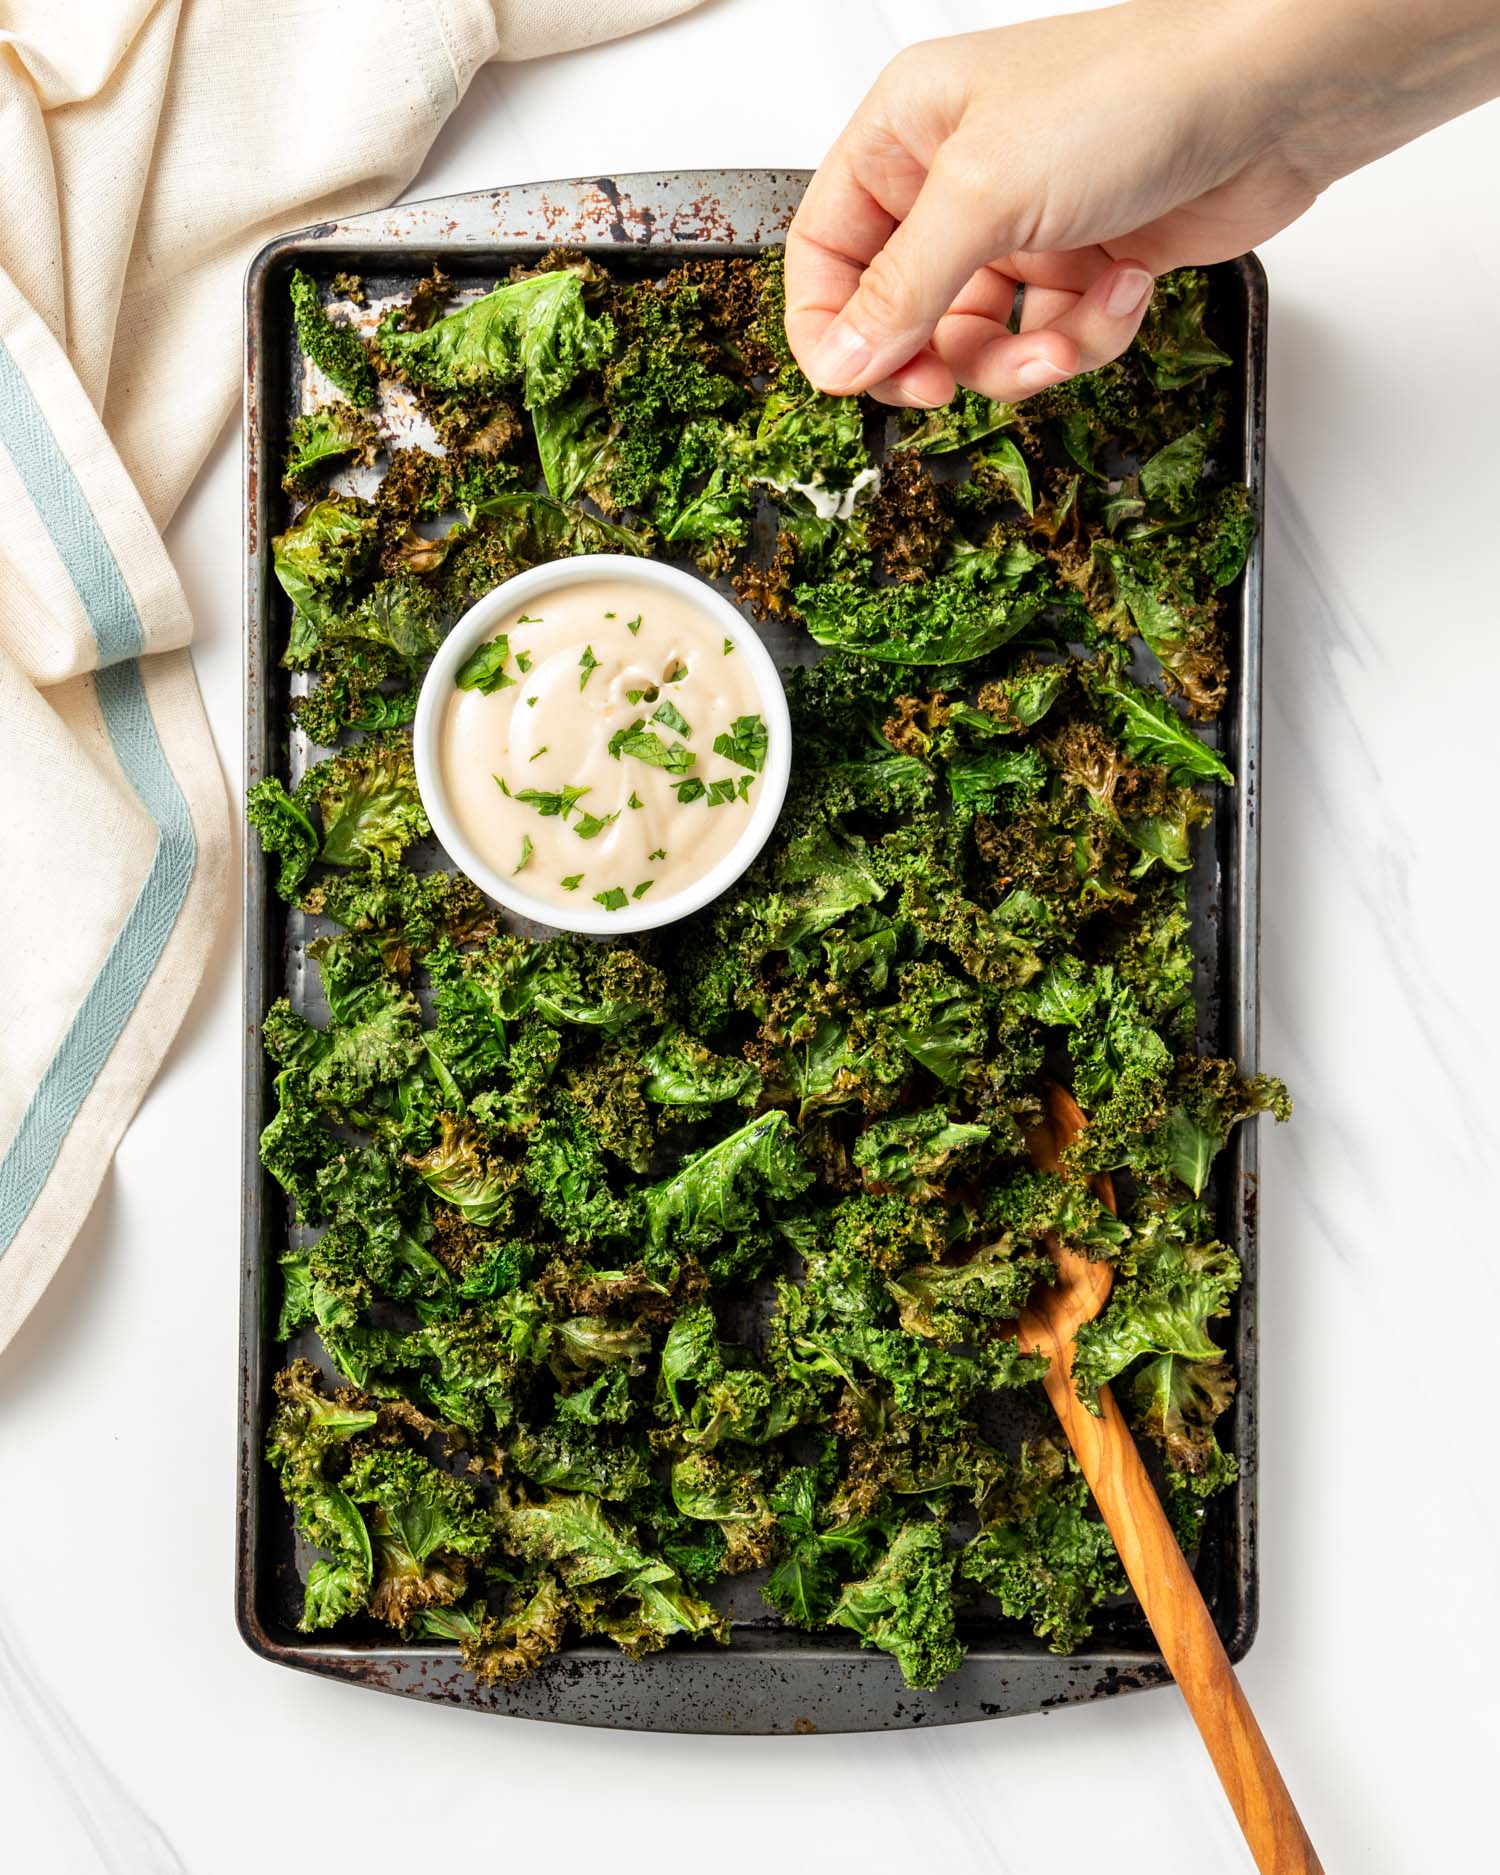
1042 1557
712 1195
535 333
323 438
425 1527
905 1605
337 350
953 618
327 548
310 1435
916 1152
646 1262
618 1588
956 425
1172 339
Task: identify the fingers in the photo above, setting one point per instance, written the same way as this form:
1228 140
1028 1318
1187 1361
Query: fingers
837 229
856 314
923 382
1079 333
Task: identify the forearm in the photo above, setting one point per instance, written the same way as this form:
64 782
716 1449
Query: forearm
1338 83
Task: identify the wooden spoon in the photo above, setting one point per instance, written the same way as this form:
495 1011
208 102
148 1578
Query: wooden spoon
1158 1571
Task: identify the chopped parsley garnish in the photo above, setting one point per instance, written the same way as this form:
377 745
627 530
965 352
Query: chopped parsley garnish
728 646
744 742
678 671
541 751
572 882
609 614
500 783
633 625
660 853
721 791
744 785
587 825
635 800
530 702
527 849
484 668
550 805
526 619
612 900
690 790
646 746
588 664
669 714
643 888
523 662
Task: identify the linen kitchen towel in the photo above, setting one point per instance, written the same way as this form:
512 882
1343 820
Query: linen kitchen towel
146 152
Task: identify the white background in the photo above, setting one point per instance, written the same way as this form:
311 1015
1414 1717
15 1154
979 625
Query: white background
138 1735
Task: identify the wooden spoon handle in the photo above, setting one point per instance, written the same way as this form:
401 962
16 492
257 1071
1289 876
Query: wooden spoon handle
1173 1604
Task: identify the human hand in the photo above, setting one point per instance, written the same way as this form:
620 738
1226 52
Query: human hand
1079 157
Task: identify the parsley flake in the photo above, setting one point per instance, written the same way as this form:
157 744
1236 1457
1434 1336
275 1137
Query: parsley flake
744 742
548 804
588 664
484 668
646 746
572 882
587 825
612 900
527 849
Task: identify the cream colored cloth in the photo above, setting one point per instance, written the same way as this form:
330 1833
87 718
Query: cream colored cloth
146 152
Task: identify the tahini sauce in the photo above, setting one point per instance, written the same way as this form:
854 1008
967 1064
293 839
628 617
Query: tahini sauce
549 729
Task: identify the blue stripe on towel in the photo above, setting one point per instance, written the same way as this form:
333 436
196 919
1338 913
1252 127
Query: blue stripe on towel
65 513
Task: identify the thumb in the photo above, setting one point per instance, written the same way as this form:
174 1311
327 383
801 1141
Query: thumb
955 226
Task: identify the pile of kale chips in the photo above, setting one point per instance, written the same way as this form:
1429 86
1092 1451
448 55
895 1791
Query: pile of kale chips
645 1263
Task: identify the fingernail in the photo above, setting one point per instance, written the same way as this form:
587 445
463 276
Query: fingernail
898 394
1037 373
839 356
1129 293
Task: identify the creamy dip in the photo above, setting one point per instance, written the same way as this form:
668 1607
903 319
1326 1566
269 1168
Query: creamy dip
604 743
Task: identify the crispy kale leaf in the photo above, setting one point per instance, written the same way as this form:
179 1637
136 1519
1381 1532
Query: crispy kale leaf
337 350
905 1605
1040 1554
323 439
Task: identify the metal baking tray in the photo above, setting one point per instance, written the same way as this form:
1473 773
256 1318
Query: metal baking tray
769 1680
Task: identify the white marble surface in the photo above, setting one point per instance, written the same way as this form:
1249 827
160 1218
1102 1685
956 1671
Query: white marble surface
136 1733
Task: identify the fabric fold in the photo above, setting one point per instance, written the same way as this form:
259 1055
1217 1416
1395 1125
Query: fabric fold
144 160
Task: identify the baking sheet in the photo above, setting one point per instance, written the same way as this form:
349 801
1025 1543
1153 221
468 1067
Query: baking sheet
769 1679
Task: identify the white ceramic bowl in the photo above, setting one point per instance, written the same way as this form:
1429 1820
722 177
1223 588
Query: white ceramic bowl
479 622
